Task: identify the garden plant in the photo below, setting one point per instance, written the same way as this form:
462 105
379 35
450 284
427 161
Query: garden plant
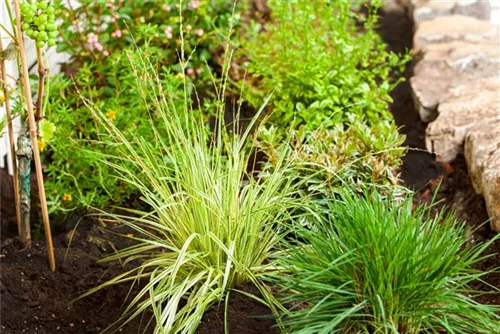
37 21
96 36
292 200
373 264
211 227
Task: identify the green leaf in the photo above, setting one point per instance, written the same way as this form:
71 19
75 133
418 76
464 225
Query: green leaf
47 129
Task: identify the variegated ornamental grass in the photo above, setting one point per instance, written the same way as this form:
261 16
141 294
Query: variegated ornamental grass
211 227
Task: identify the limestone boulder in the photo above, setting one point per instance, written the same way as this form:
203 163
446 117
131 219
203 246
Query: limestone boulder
482 153
466 106
450 28
446 65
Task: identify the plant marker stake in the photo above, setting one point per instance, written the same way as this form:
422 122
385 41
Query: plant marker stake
33 135
11 141
25 156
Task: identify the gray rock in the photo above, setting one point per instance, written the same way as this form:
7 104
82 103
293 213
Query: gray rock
424 10
446 65
450 28
482 153
470 105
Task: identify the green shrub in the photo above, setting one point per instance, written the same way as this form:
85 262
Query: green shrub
94 30
353 155
372 265
211 225
321 61
76 177
97 35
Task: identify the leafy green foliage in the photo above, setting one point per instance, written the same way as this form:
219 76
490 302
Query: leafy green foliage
46 129
76 177
97 35
211 225
96 29
352 155
322 62
372 265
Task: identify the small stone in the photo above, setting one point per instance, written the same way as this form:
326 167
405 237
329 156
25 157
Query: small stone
71 325
447 65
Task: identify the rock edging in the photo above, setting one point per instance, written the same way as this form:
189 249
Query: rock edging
456 87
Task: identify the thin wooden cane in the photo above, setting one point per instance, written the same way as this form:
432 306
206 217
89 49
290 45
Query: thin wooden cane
8 112
33 135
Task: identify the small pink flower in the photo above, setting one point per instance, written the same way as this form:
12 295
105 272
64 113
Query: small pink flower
166 7
168 32
190 71
199 70
98 46
194 4
199 32
105 53
116 34
91 38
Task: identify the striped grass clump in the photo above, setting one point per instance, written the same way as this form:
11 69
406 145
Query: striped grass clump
211 228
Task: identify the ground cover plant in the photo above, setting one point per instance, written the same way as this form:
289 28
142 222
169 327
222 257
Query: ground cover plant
96 35
212 226
374 265
353 154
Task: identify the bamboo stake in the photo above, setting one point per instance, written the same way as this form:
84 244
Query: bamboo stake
11 141
33 135
42 72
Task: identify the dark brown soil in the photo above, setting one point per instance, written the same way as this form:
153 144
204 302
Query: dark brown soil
35 300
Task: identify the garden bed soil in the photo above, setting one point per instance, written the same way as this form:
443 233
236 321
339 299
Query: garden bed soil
34 300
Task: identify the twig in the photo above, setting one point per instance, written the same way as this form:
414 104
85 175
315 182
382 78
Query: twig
33 135
7 31
11 140
42 72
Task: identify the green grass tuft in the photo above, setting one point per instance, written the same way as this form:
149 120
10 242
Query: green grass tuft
373 265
